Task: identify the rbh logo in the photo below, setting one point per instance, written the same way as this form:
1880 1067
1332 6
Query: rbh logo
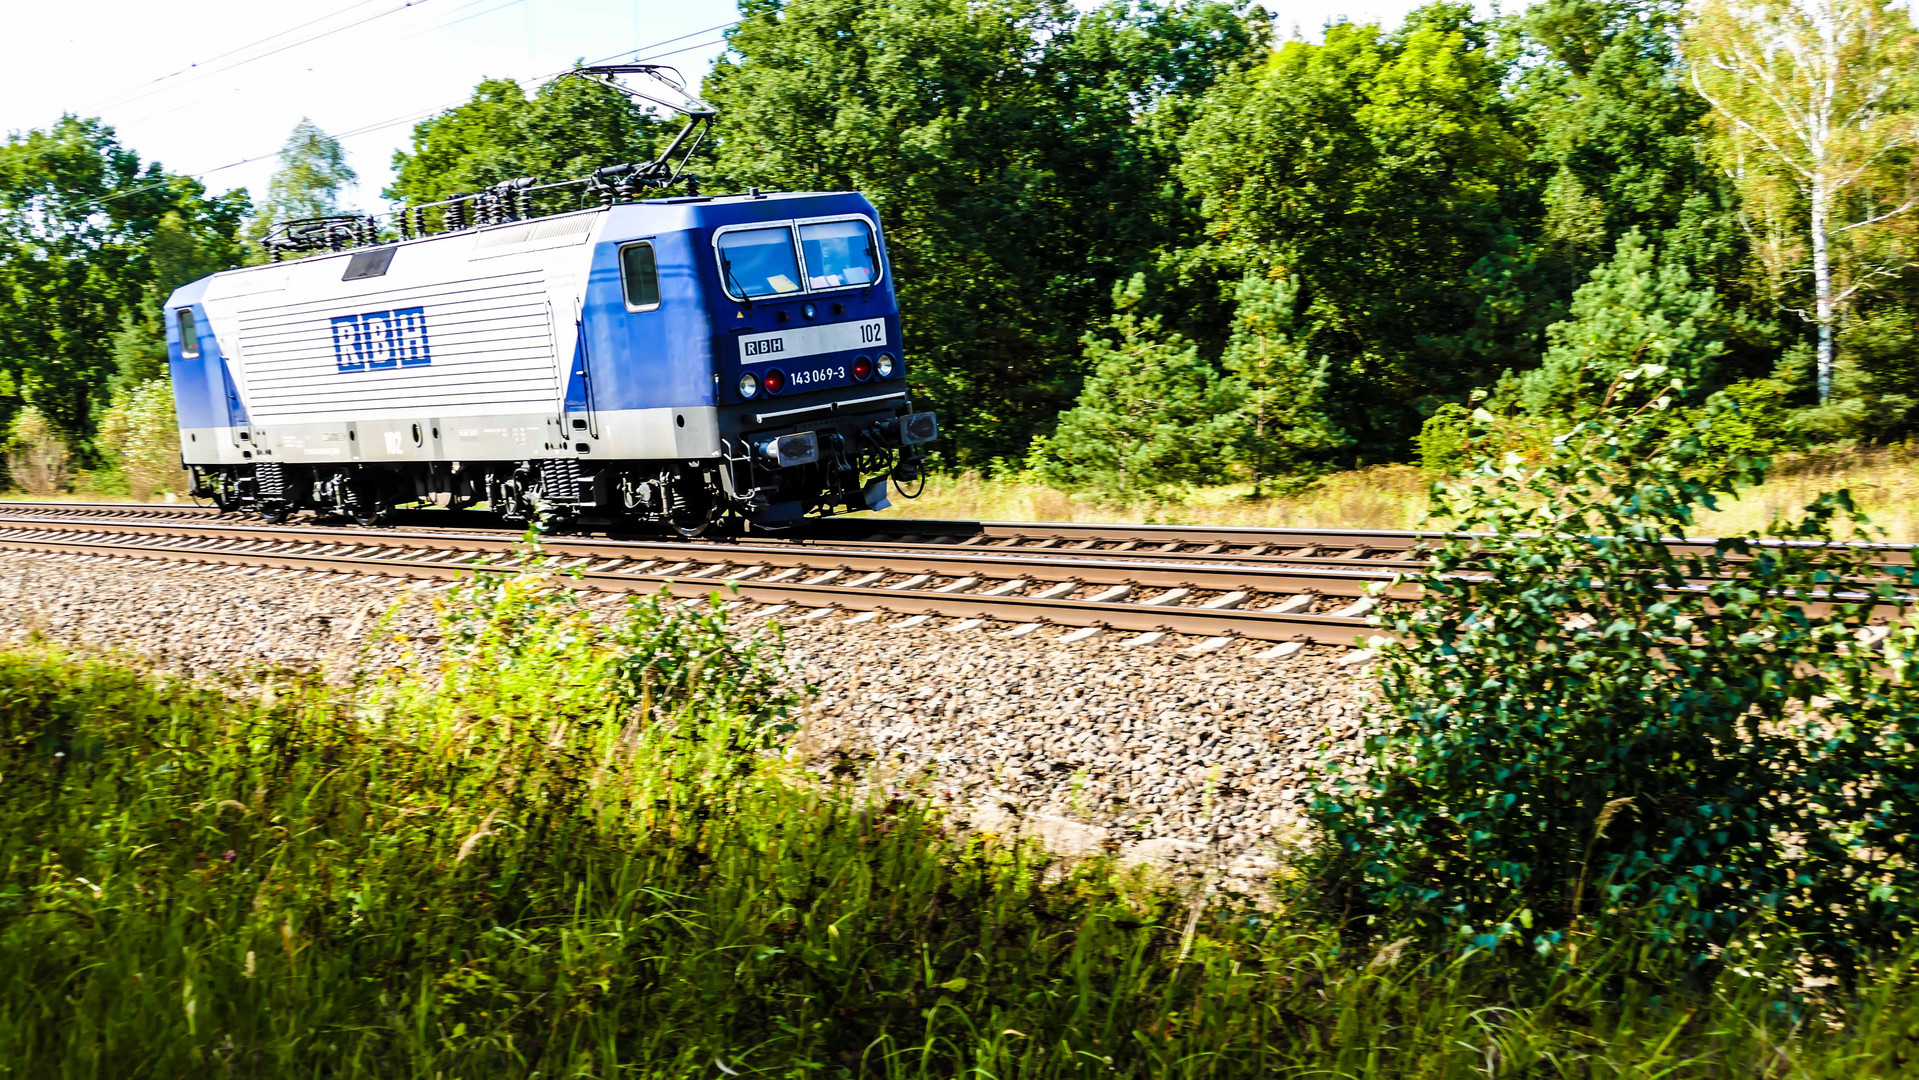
381 339
765 348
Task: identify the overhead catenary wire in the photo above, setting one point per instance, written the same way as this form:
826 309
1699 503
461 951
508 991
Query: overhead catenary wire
416 115
221 56
197 102
205 74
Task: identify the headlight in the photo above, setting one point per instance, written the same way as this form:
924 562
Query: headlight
749 385
884 365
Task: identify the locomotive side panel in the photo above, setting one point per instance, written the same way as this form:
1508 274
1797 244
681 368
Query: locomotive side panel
438 349
649 367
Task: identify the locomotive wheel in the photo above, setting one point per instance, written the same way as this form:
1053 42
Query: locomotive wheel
691 530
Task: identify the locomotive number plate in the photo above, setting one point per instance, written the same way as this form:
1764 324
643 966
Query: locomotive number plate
814 376
812 341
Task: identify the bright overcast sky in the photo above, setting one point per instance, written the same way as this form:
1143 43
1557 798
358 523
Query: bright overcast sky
190 82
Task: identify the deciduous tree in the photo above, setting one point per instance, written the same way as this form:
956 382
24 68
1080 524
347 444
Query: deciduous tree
1813 99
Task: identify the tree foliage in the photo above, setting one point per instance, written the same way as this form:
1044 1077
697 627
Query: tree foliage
1637 309
91 236
1377 170
1813 100
1155 418
312 177
1017 150
566 128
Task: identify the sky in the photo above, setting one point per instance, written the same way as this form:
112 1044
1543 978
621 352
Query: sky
211 88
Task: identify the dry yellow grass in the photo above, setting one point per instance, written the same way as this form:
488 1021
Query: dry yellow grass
1383 497
1884 481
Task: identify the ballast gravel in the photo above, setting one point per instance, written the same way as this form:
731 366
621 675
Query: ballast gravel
1199 763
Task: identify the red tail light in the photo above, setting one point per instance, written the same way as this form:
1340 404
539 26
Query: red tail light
774 381
862 368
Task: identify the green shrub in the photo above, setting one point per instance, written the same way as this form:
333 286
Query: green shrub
38 461
1444 440
139 437
1585 722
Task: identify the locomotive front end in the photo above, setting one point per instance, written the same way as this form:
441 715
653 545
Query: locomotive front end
815 416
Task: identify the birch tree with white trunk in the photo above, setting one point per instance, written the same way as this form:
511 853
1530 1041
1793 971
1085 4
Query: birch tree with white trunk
1812 102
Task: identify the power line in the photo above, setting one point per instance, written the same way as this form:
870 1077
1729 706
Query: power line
197 102
275 52
229 52
419 114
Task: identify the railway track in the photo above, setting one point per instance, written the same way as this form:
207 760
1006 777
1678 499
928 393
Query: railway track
1372 548
1015 591
1286 586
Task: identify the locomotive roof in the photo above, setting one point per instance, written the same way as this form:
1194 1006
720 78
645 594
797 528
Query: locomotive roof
664 214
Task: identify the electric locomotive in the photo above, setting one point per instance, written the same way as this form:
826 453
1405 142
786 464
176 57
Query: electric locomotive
672 360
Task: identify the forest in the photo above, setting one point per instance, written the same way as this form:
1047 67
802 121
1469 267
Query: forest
1152 246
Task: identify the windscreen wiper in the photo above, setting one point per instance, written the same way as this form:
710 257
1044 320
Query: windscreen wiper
726 268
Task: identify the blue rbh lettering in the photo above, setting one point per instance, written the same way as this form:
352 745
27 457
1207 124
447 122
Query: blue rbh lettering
377 340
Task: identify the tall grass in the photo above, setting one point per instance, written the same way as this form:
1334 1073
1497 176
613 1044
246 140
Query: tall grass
1884 479
574 849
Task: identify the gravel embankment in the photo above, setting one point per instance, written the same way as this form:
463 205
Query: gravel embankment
1200 763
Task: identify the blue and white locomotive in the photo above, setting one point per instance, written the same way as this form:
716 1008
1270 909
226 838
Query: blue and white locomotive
669 361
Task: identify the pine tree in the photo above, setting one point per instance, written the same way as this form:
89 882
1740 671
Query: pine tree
1282 426
1154 418
1637 309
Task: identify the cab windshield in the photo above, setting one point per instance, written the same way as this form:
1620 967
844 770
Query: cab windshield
839 253
759 262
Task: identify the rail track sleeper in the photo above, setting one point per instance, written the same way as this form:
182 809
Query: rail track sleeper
1354 610
1280 651
830 575
862 617
859 582
964 624
1166 597
1150 637
959 585
1296 603
912 622
1022 630
1012 586
706 571
1065 588
1081 634
1208 645
913 582
816 613
1230 600
783 575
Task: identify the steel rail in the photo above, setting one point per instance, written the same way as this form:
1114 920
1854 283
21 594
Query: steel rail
633 565
1252 544
1052 567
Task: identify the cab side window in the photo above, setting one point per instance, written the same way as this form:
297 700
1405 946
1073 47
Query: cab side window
640 277
189 333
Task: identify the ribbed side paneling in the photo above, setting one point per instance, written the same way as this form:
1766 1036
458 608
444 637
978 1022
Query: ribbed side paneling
488 339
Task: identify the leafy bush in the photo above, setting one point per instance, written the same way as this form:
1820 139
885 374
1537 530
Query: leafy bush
1444 439
38 461
140 438
1584 721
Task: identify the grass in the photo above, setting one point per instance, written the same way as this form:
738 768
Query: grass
1380 497
575 849
1884 479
